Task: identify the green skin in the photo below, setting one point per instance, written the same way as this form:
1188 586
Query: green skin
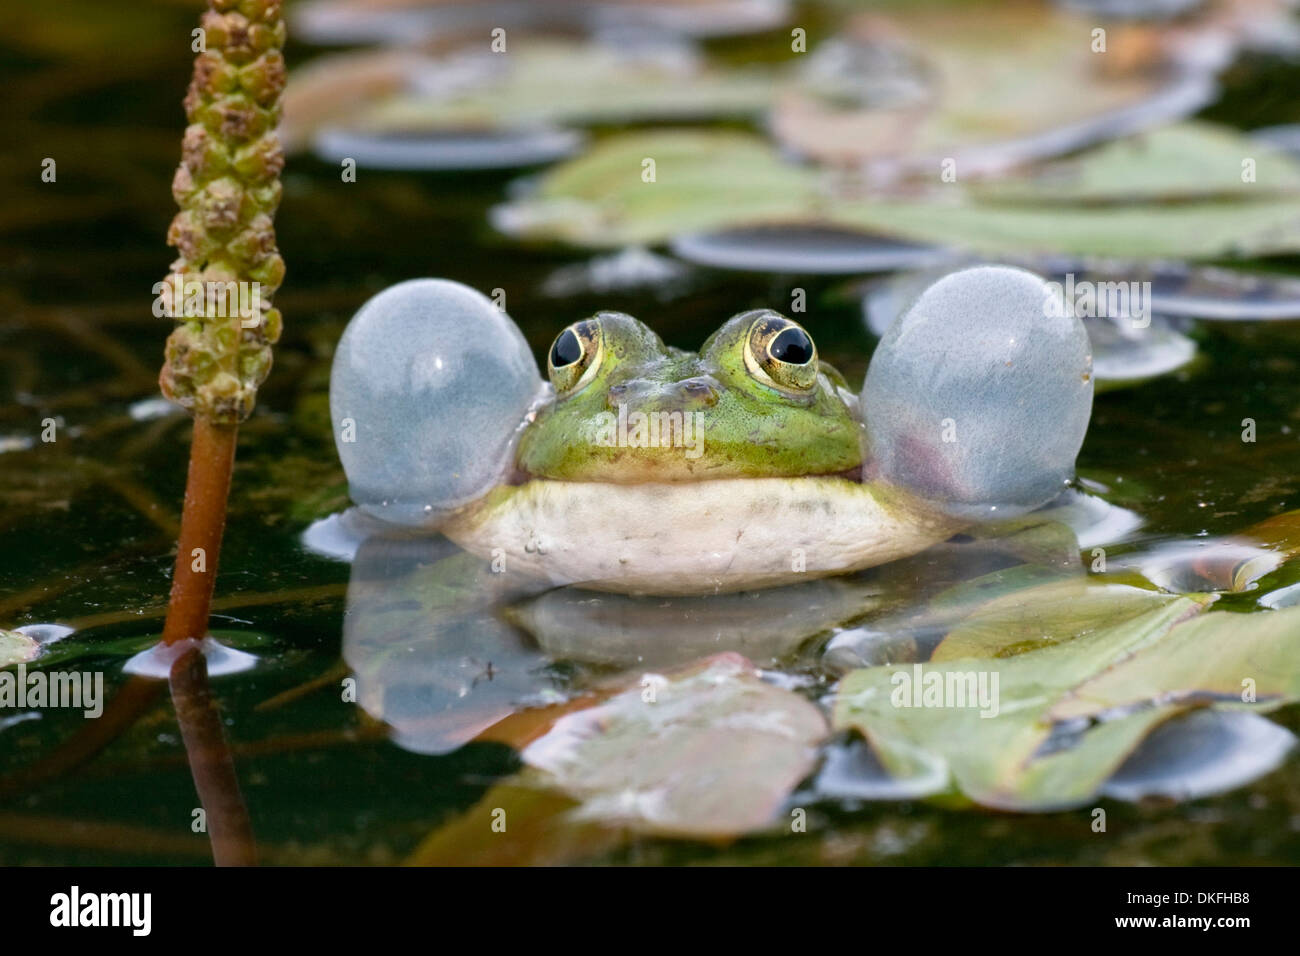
751 426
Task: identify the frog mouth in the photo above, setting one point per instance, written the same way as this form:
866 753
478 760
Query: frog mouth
519 476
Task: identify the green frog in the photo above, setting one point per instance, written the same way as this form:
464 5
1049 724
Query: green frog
646 469
644 504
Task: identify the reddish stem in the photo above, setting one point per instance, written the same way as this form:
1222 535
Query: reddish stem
212 456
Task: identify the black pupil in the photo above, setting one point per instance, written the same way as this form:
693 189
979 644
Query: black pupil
566 350
793 347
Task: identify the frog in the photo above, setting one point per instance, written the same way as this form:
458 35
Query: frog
641 468
645 504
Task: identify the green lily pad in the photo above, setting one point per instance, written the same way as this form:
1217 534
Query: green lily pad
1179 163
16 648
1054 612
702 181
1237 660
710 181
545 82
710 751
1004 759
1195 230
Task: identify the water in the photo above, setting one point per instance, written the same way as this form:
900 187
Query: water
87 521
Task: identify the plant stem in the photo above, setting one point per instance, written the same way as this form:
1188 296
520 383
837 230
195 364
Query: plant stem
212 456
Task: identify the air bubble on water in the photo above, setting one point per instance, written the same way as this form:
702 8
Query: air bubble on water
971 424
157 661
435 383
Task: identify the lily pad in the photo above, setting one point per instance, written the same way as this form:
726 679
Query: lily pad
1006 759
702 181
405 21
712 182
1058 611
1200 754
1179 163
474 109
710 751
1237 660
1002 84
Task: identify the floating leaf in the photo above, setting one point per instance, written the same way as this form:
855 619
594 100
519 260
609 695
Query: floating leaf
1000 84
409 102
406 21
1055 612
716 181
1182 162
1198 230
1003 760
1246 660
709 751
702 181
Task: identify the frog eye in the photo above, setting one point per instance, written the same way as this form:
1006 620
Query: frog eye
574 356
780 353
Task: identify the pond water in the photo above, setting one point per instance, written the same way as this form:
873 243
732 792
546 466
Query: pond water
88 521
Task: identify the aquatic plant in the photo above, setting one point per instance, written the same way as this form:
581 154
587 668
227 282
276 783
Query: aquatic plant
227 187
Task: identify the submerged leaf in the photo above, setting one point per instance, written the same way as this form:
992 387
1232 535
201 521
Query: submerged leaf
16 648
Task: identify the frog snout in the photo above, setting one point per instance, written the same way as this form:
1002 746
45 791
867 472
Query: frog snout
689 394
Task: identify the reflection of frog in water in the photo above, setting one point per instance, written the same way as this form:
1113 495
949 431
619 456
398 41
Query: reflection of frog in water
700 478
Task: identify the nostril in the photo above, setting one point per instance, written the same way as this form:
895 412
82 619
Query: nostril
700 389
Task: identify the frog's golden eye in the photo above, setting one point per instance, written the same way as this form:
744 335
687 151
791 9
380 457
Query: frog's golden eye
780 353
574 356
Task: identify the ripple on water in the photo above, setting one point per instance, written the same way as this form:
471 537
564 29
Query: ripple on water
447 150
1201 754
157 661
804 249
851 771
